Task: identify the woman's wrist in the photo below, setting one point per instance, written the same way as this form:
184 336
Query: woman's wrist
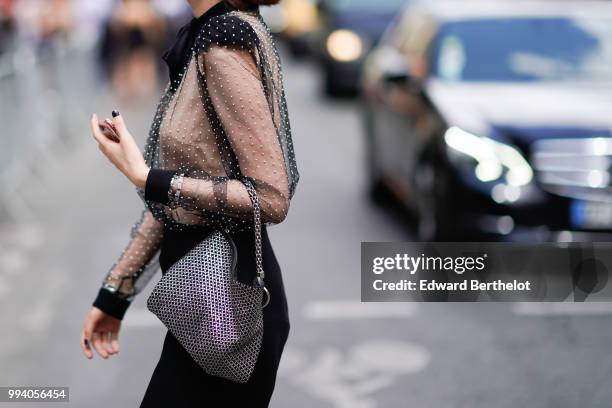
111 303
157 185
139 177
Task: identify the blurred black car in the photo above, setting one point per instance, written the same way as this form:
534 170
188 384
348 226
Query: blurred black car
348 30
494 120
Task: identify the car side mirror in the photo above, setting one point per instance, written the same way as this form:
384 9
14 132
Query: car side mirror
396 77
402 78
395 70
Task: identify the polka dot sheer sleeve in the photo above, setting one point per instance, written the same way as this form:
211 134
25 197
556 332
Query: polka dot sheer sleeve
134 268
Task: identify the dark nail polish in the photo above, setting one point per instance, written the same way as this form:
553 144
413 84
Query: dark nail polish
115 113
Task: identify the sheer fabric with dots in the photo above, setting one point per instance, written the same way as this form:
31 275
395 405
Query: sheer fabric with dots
224 120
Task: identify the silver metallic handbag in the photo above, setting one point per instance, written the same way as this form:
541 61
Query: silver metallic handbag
215 317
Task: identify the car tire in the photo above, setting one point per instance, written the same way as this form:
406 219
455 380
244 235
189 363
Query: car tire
298 48
330 87
377 192
435 217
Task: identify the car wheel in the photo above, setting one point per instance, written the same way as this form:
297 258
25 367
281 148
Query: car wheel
435 217
376 188
298 48
330 88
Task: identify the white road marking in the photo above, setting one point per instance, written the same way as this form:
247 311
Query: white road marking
16 246
12 261
354 309
293 360
321 310
349 379
4 286
390 356
562 308
29 236
40 317
139 317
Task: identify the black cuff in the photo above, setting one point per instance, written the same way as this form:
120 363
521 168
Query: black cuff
111 304
158 185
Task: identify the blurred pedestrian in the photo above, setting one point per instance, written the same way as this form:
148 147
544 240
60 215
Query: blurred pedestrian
56 19
218 167
7 24
134 36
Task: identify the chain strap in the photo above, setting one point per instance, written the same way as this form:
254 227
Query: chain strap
259 280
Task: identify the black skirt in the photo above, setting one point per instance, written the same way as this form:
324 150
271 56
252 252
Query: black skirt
178 381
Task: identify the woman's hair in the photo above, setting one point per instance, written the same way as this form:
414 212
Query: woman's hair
244 4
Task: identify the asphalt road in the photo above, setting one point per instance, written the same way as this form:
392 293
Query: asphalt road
341 353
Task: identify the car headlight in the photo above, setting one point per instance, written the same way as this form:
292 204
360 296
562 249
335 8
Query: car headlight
344 45
493 159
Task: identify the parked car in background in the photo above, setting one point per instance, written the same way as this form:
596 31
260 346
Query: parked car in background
493 119
348 30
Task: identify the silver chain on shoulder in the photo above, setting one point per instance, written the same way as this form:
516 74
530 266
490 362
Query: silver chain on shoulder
259 280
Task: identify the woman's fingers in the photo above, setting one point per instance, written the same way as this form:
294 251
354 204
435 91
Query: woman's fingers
98 345
126 154
85 344
106 342
127 140
86 335
119 124
95 130
115 341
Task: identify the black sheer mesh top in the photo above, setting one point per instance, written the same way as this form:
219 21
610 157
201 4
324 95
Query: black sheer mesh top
222 119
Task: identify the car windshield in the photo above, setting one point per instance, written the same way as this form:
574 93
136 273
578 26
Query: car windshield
525 49
385 6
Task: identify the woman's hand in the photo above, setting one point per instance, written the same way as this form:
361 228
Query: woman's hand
125 154
100 331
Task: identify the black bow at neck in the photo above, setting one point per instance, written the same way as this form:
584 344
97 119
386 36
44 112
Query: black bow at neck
178 55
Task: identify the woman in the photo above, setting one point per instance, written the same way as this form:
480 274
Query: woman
222 118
